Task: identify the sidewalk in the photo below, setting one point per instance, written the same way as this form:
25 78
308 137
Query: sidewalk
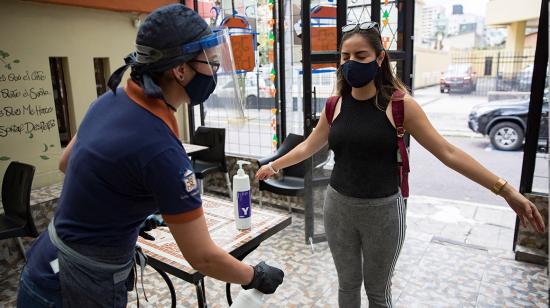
456 254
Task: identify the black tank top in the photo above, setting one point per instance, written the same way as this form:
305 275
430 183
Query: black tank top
365 150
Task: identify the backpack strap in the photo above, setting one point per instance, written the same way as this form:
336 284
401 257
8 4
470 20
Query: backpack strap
398 113
330 106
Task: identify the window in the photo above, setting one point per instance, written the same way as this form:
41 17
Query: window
58 69
101 69
488 71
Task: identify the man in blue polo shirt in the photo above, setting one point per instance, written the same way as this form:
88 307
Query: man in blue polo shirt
126 163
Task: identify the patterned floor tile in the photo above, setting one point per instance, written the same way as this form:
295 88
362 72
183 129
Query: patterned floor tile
494 295
428 274
513 273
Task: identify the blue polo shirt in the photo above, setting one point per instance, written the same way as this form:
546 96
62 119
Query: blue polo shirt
127 163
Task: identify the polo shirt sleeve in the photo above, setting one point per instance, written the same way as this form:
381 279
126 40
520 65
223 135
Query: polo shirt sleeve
171 179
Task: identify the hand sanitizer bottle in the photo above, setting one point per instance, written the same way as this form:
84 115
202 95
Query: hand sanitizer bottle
249 299
241 197
253 298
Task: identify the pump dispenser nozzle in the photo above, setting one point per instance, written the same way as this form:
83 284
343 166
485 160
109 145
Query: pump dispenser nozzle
241 163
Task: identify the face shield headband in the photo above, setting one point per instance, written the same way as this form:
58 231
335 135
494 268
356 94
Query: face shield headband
146 60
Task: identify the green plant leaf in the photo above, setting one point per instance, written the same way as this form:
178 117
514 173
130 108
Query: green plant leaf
8 66
4 158
44 157
51 145
16 61
31 135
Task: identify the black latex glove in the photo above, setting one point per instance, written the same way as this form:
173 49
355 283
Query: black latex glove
266 278
150 223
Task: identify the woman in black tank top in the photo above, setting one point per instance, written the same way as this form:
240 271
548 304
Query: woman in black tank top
364 212
365 150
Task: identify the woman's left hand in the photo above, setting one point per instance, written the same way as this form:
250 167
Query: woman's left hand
524 208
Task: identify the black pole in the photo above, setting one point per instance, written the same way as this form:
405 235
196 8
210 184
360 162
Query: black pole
306 81
341 21
535 108
281 89
408 36
535 104
375 11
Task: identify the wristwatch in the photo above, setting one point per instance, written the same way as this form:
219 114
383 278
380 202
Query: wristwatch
270 166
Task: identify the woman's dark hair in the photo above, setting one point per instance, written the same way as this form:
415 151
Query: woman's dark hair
385 81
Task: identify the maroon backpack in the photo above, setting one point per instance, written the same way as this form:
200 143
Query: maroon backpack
398 113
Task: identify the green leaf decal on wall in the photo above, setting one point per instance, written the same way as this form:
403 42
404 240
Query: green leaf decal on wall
7 63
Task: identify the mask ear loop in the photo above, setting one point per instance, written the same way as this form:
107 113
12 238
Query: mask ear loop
178 81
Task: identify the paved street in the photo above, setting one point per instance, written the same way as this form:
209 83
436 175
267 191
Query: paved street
429 177
448 112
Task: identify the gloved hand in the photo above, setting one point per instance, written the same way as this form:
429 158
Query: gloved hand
150 223
266 278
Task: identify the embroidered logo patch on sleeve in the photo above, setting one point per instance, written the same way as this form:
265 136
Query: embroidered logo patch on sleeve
189 181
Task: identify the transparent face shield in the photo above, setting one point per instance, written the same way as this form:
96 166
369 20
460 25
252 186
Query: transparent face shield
214 58
226 101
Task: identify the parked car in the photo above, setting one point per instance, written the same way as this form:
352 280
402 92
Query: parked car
505 123
458 77
524 78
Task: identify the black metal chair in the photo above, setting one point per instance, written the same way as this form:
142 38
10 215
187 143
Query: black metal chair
211 160
292 181
17 219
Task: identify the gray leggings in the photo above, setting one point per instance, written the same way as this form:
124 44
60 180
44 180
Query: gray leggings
364 234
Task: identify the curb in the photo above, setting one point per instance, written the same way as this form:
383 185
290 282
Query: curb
452 202
464 134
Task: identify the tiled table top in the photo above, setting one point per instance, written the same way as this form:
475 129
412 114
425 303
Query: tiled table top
221 225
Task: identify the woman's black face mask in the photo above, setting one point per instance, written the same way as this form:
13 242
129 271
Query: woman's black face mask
358 74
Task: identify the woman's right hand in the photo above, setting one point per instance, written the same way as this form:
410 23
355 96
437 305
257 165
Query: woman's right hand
264 173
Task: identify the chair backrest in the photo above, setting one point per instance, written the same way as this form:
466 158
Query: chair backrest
291 141
214 139
16 194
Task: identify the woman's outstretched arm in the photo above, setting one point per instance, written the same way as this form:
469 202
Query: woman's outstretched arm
418 125
314 142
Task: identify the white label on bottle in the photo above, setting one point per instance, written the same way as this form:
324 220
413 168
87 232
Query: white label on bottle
243 201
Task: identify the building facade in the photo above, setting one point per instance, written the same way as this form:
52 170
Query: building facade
56 57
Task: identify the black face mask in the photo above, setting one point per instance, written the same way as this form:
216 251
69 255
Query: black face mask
359 74
200 88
